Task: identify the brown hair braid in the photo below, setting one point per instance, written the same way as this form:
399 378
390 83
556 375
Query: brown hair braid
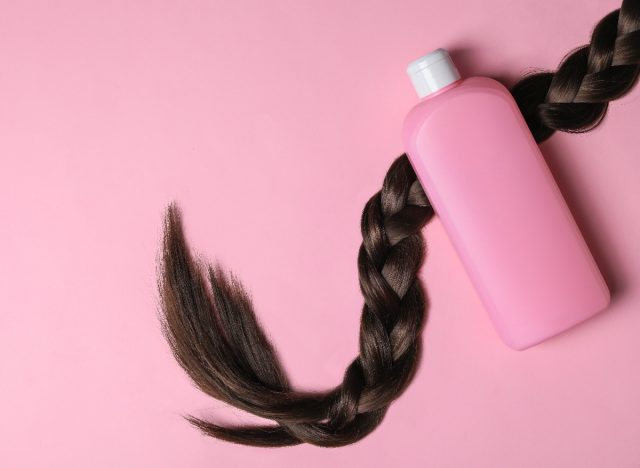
209 320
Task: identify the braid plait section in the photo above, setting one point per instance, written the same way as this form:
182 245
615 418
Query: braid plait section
576 96
210 324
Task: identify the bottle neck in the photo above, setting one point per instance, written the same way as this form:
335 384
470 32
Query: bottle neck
441 90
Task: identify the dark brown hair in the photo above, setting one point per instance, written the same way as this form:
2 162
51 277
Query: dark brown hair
211 326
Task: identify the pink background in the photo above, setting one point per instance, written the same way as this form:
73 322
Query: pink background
271 123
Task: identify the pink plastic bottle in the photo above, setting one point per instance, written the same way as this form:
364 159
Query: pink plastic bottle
491 188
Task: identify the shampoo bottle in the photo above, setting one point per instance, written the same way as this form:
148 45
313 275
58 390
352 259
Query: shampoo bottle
496 198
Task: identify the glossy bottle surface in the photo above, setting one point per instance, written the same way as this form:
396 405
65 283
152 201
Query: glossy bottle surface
491 188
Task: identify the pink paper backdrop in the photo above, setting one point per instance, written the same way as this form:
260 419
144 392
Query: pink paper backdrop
271 123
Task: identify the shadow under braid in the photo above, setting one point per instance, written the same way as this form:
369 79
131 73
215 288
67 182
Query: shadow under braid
211 326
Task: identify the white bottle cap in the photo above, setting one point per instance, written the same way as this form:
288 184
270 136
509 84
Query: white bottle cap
432 72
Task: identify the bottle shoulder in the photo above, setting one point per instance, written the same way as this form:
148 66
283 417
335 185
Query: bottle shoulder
473 98
469 90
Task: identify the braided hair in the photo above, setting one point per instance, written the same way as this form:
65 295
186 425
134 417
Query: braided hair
210 324
576 96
